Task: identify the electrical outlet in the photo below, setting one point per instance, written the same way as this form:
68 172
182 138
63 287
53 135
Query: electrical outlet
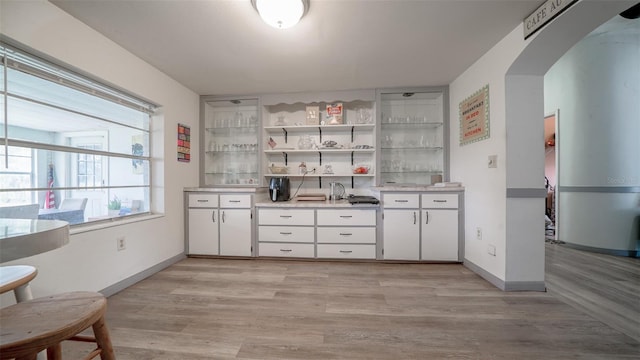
479 233
121 243
491 250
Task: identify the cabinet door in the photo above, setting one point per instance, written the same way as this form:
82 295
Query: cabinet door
412 137
203 231
235 232
440 235
230 141
401 234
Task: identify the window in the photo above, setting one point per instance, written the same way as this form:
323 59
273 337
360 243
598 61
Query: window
90 167
66 138
18 175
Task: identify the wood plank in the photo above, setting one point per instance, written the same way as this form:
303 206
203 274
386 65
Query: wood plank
284 309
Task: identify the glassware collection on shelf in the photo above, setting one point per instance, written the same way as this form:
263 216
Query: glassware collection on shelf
398 138
411 138
328 146
231 155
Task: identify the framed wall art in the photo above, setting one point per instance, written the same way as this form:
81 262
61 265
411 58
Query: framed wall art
184 143
474 117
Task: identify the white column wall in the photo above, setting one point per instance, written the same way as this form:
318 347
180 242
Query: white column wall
485 188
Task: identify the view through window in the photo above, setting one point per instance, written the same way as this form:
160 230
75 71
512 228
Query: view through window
77 148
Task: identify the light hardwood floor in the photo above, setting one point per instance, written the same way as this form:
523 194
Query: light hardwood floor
603 286
269 309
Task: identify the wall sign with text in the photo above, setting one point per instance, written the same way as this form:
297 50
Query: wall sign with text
474 117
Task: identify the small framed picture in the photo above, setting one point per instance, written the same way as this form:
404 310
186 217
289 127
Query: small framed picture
334 114
313 115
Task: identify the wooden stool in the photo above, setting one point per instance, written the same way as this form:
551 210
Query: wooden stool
17 278
43 323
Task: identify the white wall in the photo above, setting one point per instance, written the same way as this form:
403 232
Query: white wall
596 86
485 194
514 70
90 261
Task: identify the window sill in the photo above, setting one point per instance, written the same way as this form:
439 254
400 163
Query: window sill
111 222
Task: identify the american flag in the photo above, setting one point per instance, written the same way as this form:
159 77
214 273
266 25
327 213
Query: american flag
50 197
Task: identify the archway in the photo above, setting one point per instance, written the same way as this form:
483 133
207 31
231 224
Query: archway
524 107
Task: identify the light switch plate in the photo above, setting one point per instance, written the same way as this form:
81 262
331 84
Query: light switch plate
493 161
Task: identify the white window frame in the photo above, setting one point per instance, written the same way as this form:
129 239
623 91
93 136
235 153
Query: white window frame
12 57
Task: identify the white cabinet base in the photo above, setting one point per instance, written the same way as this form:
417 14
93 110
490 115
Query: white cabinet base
203 231
286 250
401 234
235 232
440 235
345 251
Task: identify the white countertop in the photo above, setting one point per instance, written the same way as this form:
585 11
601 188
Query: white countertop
227 189
314 204
416 188
407 188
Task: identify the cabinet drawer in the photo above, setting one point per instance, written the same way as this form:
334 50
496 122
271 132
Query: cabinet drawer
346 235
286 250
300 234
439 201
410 201
347 217
203 200
286 217
235 201
332 251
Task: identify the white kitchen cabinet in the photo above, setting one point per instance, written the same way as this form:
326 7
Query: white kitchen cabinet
236 223
440 235
401 226
401 234
203 231
286 232
287 250
235 232
203 224
219 224
346 234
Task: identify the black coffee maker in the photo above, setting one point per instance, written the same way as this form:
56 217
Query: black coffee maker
279 189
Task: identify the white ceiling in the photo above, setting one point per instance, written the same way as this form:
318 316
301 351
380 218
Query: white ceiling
222 47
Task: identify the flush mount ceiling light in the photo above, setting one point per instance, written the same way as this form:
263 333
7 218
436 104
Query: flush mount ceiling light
281 14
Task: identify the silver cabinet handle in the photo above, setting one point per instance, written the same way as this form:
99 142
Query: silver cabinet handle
234 201
223 216
440 201
426 215
286 250
284 233
346 251
415 218
346 234
213 216
346 216
285 216
401 201
202 200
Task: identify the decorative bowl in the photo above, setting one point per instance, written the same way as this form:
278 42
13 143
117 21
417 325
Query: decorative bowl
361 169
279 169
